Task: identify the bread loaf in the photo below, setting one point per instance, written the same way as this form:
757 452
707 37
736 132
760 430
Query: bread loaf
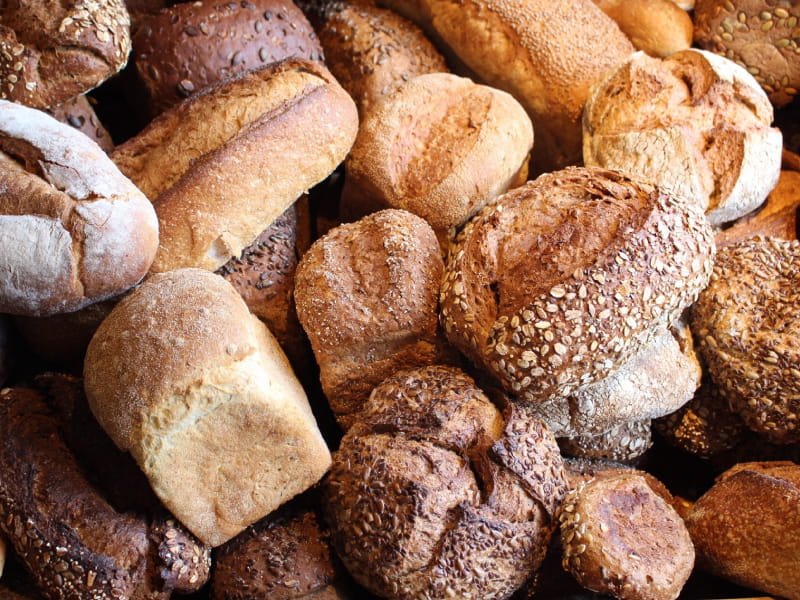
79 113
75 230
223 165
657 27
186 379
52 52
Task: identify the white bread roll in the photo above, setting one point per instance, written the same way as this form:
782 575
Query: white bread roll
74 229
196 388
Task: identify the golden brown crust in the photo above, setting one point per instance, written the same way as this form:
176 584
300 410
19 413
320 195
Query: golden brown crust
758 35
746 328
745 528
694 123
366 295
621 538
51 52
461 509
186 47
224 164
561 281
657 27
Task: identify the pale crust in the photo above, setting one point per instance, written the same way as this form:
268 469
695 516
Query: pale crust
694 123
439 146
223 165
198 390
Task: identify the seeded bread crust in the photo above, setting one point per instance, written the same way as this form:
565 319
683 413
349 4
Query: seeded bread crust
622 443
53 51
221 166
78 113
694 123
186 47
748 334
434 494
561 281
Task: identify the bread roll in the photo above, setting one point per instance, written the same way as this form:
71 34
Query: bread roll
439 146
694 122
546 54
223 165
761 36
79 113
561 281
189 46
51 52
657 27
75 230
622 443
746 528
213 413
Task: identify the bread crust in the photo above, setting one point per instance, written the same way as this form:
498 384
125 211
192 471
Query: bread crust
223 165
75 229
657 27
78 113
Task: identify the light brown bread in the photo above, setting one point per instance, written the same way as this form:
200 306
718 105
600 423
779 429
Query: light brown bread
75 229
694 122
439 146
223 165
657 27
79 113
186 379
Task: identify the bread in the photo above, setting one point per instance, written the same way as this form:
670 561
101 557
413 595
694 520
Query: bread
622 443
657 27
223 165
366 295
439 146
546 54
59 525
760 36
2 554
213 413
435 494
748 335
622 538
75 230
189 46
710 140
745 528
561 281
371 50
50 53
79 113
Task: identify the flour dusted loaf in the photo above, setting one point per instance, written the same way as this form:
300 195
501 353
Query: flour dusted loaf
186 379
694 122
75 229
221 166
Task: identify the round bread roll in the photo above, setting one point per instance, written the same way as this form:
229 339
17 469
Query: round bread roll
760 35
53 51
622 443
695 123
221 166
366 295
189 46
746 528
748 334
433 494
546 54
622 538
561 281
186 379
75 230
439 146
371 50
657 27
79 113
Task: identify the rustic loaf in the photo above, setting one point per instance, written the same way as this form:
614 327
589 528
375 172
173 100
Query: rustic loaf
75 229
657 27
221 166
186 379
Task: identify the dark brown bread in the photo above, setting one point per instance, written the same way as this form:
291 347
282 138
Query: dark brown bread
51 52
561 281
622 443
189 46
366 295
434 494
621 537
74 544
746 528
79 113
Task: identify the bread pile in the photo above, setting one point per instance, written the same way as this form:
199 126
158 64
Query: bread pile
403 299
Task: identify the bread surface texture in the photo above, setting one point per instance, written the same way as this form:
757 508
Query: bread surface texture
75 229
194 386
